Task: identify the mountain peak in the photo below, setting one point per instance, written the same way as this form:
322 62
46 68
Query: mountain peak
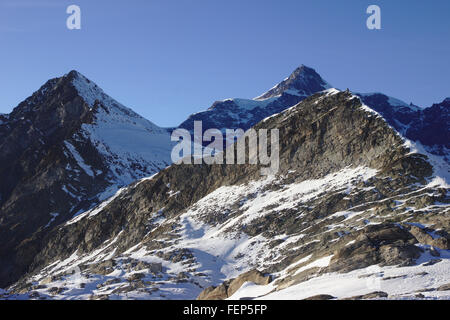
302 70
86 88
303 81
73 73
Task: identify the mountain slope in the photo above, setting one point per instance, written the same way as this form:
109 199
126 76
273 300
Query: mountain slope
351 194
63 150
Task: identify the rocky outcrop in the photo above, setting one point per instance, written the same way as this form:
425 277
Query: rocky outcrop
445 287
441 240
228 288
378 244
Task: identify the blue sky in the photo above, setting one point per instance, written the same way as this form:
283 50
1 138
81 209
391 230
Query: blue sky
169 58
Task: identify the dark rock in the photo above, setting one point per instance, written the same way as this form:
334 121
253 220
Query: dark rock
372 295
445 287
321 297
385 244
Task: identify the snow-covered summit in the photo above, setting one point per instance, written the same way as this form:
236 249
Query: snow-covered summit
132 146
304 81
244 113
93 94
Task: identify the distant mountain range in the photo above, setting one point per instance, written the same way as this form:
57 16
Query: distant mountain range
244 113
91 207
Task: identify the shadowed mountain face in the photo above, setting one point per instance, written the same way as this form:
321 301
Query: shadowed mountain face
430 126
62 150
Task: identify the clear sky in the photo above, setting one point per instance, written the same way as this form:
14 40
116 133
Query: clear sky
169 58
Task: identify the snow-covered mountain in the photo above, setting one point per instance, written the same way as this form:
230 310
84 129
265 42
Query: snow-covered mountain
356 211
359 208
132 146
64 149
429 126
245 113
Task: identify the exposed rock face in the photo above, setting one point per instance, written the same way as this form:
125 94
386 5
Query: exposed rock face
228 288
346 193
377 244
58 157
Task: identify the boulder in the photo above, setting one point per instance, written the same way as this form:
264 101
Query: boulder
228 288
424 237
445 287
372 295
